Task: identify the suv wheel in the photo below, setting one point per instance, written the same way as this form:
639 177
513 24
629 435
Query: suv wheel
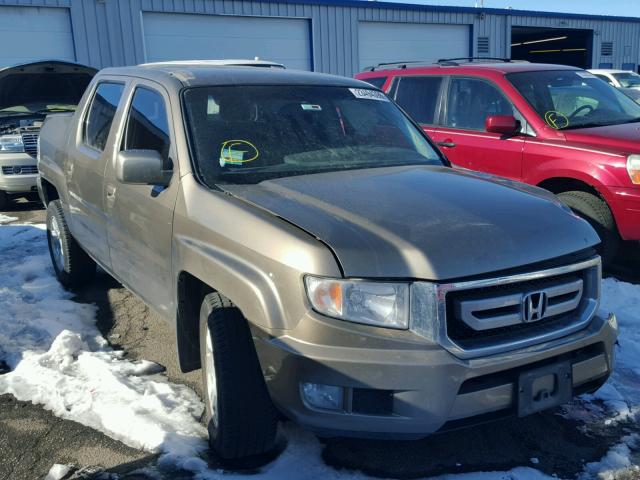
72 265
596 211
240 417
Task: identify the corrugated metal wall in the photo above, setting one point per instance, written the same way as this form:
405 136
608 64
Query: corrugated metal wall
110 32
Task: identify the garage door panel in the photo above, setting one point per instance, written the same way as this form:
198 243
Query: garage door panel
381 42
35 33
200 37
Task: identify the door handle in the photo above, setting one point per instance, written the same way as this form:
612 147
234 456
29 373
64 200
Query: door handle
446 144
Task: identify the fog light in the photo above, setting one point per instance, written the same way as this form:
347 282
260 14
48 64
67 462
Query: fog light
327 397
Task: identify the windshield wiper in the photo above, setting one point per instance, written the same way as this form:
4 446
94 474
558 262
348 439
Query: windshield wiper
54 110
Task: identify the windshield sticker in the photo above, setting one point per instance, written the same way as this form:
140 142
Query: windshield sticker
556 120
308 106
237 152
585 74
366 94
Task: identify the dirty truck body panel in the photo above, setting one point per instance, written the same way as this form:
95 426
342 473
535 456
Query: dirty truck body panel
447 237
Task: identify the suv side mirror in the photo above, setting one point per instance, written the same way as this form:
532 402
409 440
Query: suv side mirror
503 124
141 167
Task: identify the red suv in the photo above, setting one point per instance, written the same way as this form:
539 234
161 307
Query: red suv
557 127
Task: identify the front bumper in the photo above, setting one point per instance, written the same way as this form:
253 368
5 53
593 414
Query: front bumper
21 182
626 209
423 387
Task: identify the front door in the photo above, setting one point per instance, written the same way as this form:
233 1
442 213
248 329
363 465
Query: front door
463 137
140 223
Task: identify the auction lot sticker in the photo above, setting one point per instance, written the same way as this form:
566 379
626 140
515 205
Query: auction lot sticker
367 94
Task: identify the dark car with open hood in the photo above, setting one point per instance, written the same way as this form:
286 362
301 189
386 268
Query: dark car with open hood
28 93
318 256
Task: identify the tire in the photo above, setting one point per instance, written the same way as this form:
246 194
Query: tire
240 417
596 211
4 200
72 265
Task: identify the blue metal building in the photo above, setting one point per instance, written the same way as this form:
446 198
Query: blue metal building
336 36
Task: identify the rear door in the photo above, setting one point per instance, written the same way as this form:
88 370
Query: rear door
89 153
463 137
419 96
140 225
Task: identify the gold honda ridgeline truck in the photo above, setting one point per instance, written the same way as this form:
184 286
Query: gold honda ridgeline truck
318 256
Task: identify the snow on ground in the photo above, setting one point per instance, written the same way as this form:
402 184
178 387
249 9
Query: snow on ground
59 360
6 219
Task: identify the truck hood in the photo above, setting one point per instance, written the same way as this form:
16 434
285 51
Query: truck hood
44 82
423 222
616 138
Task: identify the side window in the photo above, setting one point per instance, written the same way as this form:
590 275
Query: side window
376 82
471 101
147 125
101 113
604 77
419 97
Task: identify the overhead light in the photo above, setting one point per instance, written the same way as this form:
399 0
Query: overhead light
545 40
558 50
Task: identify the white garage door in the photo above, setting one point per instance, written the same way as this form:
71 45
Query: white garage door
35 33
392 42
200 37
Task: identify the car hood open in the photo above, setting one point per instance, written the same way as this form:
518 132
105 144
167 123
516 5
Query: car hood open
47 81
424 222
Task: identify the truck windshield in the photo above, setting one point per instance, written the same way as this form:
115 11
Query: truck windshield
247 134
569 99
627 79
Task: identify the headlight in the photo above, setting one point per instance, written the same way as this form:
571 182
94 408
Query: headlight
11 143
382 304
633 168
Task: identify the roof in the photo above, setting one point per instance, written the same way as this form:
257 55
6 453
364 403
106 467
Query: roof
440 8
199 73
499 67
43 65
217 63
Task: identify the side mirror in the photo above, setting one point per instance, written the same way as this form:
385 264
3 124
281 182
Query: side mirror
502 124
141 167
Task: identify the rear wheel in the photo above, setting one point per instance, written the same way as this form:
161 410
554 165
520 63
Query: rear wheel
596 211
240 417
72 265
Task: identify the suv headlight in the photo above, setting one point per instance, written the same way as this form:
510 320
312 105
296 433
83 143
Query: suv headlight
11 143
633 168
382 304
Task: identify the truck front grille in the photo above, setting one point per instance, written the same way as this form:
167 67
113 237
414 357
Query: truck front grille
494 315
30 141
19 170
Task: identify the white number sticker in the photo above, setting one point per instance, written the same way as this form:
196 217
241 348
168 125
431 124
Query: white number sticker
366 94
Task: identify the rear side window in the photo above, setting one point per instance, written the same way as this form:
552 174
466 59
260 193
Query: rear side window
419 97
101 113
471 101
147 124
376 81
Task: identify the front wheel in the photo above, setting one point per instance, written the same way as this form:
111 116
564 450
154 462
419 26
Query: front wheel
72 265
240 417
596 211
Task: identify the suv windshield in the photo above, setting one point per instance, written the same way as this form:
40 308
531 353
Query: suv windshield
574 99
627 79
246 134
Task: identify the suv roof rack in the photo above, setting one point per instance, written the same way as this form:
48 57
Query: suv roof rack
457 61
450 62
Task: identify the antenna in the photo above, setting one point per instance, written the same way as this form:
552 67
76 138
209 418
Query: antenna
479 3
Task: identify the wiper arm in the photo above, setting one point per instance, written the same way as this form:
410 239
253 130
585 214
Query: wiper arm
54 110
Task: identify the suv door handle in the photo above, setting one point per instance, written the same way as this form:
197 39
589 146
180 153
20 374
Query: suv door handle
446 143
